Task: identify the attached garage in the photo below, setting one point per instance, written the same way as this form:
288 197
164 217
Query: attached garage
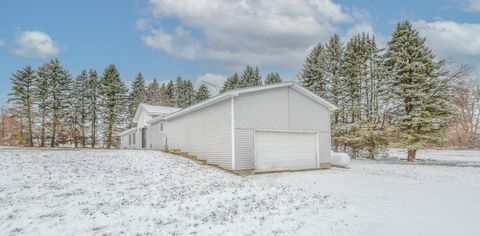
279 150
266 128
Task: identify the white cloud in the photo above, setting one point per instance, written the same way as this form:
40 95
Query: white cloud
180 43
472 5
35 44
215 79
452 40
245 32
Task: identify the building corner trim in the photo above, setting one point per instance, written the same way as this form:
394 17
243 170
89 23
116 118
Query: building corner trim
232 113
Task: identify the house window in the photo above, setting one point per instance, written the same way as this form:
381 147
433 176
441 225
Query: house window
161 126
129 139
134 138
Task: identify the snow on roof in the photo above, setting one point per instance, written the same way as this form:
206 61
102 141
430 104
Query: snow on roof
154 110
159 109
236 92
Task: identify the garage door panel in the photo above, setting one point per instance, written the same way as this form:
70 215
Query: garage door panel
277 151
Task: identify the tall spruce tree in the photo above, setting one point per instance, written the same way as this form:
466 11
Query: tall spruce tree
313 73
153 93
273 78
114 94
42 98
202 93
59 84
93 104
170 94
164 95
418 88
80 107
232 82
334 52
137 95
22 95
250 77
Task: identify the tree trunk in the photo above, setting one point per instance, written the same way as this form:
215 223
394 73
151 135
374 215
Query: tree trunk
94 130
354 153
412 155
83 134
30 131
54 131
42 135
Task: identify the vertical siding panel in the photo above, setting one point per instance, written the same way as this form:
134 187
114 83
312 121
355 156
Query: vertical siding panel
278 109
244 149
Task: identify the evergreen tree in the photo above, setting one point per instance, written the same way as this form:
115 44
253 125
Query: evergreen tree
114 94
137 95
313 73
80 107
164 95
419 89
22 94
190 94
153 93
202 93
250 77
170 94
232 82
273 78
42 98
334 52
184 92
58 82
93 105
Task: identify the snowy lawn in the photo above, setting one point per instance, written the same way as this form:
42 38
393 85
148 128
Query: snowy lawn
68 192
148 192
400 199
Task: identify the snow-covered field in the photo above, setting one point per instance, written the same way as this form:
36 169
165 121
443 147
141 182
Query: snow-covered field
45 192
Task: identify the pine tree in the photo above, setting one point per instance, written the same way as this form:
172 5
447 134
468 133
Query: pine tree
202 93
313 73
273 78
114 109
80 106
170 94
93 105
164 95
153 93
58 82
137 95
334 52
42 98
232 82
190 95
419 88
250 77
22 95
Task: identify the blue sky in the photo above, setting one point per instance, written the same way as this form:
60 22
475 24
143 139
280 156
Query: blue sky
209 40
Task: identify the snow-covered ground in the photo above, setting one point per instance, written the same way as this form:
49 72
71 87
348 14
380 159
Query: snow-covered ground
148 192
459 157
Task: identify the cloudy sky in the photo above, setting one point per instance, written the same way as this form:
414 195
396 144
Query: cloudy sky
210 39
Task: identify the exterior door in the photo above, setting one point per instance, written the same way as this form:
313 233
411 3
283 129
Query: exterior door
144 137
278 151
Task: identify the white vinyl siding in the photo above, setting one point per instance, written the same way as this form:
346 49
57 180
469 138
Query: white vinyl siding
281 109
205 133
155 139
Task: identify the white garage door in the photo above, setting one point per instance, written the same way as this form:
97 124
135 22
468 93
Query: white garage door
284 151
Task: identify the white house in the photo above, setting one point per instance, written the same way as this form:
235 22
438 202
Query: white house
140 136
266 128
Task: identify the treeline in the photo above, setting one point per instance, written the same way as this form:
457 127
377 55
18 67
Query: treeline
51 108
250 77
400 96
